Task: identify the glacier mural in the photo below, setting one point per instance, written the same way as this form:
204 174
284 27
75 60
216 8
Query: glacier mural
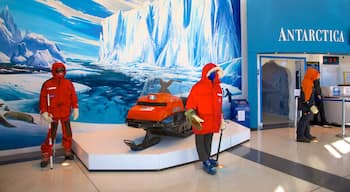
111 49
174 35
173 40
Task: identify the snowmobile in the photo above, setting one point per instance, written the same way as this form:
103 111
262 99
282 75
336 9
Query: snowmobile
158 113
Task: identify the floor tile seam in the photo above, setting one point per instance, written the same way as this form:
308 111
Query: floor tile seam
82 169
295 169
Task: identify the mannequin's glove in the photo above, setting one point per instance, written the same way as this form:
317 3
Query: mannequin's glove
47 117
314 109
75 113
197 118
189 113
194 119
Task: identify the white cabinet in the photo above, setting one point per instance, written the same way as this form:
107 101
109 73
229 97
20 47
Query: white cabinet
333 110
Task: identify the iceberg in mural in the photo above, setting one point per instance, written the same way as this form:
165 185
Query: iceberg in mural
176 34
9 33
33 49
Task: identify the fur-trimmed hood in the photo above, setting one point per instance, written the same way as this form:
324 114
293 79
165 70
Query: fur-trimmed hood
210 67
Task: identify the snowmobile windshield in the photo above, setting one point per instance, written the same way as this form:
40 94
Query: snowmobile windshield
158 85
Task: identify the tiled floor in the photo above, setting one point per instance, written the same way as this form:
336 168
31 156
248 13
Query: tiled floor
270 161
271 120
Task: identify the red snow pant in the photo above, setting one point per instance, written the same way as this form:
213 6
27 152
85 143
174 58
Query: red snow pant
46 148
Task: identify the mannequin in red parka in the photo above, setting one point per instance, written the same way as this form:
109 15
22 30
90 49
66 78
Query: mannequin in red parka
205 99
57 99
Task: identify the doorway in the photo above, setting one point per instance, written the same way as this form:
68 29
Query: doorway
280 77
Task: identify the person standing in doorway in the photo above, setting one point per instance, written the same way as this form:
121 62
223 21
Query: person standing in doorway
307 106
319 105
57 101
204 109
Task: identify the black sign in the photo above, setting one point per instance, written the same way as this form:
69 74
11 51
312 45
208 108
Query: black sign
331 60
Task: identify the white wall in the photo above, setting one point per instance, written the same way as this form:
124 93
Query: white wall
331 74
344 66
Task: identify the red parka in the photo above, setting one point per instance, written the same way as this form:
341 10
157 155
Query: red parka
58 96
206 99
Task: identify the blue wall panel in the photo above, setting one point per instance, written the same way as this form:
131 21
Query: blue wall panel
265 20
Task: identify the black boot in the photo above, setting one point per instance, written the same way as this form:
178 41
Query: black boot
44 161
68 155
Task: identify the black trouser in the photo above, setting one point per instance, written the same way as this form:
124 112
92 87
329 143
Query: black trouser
303 129
320 107
203 145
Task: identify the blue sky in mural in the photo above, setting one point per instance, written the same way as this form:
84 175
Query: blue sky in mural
70 34
73 25
88 7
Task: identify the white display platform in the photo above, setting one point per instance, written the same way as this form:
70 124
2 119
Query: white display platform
105 150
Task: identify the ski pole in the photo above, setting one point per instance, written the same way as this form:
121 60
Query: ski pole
50 131
50 143
217 154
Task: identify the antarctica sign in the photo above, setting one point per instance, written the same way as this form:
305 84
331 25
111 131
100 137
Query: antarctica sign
311 35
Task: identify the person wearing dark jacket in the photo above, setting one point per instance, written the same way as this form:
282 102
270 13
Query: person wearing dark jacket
307 106
204 107
319 105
